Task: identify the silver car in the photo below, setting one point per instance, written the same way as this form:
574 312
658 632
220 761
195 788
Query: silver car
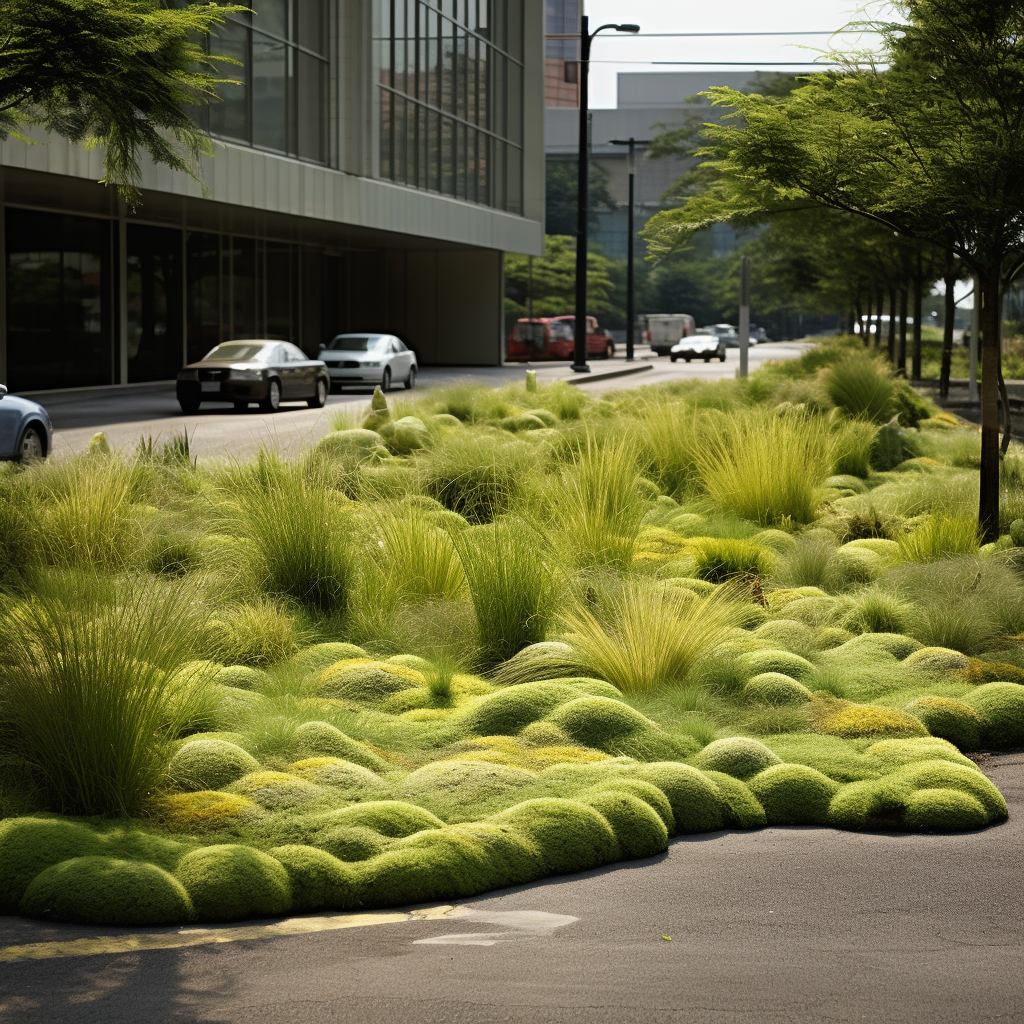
368 359
705 344
25 430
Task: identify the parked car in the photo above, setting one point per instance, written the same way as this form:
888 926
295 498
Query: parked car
253 370
758 335
728 333
600 344
369 359
25 430
539 339
705 344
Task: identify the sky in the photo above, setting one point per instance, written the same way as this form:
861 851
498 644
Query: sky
612 52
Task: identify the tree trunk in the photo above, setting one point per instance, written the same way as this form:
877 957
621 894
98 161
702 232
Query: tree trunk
865 329
901 355
1004 403
949 323
915 366
988 508
878 319
892 326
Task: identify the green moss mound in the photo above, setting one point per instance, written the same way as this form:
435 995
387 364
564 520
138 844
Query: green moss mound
864 804
367 683
395 819
892 754
276 791
351 447
943 810
938 659
354 781
231 882
316 878
568 835
741 807
1001 709
896 644
458 790
697 805
352 843
31 845
776 690
786 633
738 756
598 721
106 891
758 662
241 677
646 791
847 720
511 709
950 719
639 830
209 764
320 656
946 775
793 794
325 740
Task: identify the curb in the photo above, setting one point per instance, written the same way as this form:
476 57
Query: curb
589 378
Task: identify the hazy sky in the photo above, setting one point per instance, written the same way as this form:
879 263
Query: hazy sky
710 16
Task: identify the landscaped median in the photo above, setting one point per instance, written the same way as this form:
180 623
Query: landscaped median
492 637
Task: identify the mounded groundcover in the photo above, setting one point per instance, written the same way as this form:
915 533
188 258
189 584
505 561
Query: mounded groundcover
494 637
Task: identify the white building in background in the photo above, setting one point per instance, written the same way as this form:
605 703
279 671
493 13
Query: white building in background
376 161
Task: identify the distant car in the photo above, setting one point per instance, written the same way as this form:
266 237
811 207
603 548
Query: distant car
705 344
369 359
758 335
253 370
25 431
728 333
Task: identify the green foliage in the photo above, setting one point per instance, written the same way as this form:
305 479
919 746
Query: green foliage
104 891
637 827
394 819
737 756
1001 709
209 764
940 536
326 740
697 804
758 662
316 879
512 708
741 807
598 722
231 882
776 689
260 633
949 719
861 386
720 560
464 790
87 690
943 810
793 794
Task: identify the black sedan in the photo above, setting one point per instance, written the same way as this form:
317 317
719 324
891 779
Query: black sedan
242 372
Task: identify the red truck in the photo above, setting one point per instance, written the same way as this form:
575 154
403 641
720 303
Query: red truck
553 337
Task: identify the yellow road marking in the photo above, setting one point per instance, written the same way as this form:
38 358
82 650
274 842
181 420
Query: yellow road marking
205 936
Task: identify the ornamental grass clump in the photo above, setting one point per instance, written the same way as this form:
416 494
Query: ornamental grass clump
646 634
941 535
766 467
861 386
87 690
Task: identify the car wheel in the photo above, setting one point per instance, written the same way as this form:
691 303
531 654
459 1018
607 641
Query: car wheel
319 400
189 406
608 352
273 400
31 445
385 380
673 357
410 381
687 358
721 356
241 406
707 359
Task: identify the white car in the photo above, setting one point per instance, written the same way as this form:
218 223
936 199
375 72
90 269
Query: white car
705 344
368 359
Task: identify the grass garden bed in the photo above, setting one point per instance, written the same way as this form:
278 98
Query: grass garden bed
485 637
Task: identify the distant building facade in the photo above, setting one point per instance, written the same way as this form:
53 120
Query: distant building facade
370 169
562 52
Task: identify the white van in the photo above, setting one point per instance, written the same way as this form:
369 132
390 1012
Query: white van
665 329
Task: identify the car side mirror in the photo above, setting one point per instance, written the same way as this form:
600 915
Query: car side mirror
321 347
3 390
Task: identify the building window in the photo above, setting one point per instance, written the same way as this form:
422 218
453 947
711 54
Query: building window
154 305
58 301
451 82
280 100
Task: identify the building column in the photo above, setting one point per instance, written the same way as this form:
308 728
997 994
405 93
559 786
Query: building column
3 283
121 300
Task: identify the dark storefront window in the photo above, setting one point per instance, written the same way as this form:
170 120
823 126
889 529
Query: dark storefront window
58 301
204 288
154 303
280 100
451 84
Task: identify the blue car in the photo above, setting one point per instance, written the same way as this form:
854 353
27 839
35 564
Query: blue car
25 431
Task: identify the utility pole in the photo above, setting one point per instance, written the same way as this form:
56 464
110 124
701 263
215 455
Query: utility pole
631 234
744 315
583 188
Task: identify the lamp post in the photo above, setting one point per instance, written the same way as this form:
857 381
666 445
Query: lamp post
630 255
580 347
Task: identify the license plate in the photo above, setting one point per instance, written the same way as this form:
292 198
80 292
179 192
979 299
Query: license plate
209 385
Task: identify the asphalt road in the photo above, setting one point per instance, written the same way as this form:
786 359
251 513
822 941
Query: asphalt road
781 926
219 430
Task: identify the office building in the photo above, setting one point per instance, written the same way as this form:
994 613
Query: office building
370 168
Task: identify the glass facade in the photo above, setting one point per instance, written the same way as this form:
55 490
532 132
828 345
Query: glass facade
59 292
451 98
561 52
280 100
154 303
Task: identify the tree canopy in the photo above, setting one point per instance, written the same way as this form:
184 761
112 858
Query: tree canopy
118 73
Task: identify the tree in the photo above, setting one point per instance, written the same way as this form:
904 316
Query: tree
546 285
931 148
116 73
562 185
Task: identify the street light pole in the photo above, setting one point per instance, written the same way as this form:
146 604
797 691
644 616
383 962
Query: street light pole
631 235
583 188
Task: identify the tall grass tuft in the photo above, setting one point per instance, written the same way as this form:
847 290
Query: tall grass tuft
671 436
941 535
766 467
861 385
86 688
297 528
510 585
645 635
854 441
597 502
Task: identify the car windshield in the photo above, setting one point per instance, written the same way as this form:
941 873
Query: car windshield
241 351
705 330
354 343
